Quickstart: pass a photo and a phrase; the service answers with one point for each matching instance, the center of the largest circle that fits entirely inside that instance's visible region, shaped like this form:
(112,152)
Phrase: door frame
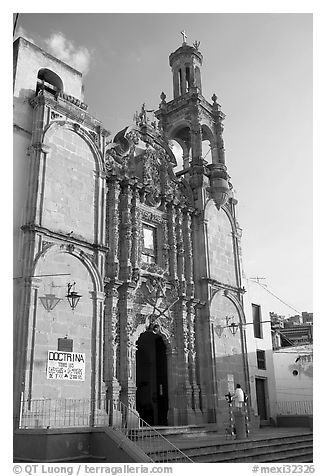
(265,382)
(156,383)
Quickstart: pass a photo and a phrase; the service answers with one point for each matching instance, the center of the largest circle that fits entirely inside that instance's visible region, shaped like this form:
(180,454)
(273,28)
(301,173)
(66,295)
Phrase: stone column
(180,251)
(32,286)
(183,81)
(192,360)
(101,208)
(98,391)
(38,152)
(186,160)
(187,239)
(215,157)
(112,225)
(196,139)
(184,390)
(111,350)
(136,233)
(24,317)
(165,239)
(125,231)
(203,350)
(127,358)
(172,359)
(34,210)
(172,241)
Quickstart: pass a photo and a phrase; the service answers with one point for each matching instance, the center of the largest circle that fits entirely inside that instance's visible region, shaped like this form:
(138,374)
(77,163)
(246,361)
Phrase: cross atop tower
(183,33)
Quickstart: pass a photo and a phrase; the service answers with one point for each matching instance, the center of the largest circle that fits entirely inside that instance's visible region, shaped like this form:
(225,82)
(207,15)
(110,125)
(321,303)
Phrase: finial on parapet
(163,97)
(196,44)
(216,106)
(141,118)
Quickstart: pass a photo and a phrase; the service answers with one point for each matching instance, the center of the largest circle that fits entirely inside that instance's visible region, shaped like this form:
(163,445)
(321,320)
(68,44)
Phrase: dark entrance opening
(261,399)
(151,378)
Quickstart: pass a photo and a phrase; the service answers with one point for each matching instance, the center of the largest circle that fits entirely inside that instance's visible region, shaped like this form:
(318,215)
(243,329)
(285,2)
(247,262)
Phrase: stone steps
(207,445)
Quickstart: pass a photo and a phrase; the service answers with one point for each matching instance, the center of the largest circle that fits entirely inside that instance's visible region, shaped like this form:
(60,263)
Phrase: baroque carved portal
(154,302)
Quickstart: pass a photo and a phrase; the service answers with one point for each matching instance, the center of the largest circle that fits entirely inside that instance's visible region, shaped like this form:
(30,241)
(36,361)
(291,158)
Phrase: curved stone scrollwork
(142,154)
(155,299)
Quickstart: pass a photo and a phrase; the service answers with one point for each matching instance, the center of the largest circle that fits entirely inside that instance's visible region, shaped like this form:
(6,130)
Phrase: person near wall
(238,397)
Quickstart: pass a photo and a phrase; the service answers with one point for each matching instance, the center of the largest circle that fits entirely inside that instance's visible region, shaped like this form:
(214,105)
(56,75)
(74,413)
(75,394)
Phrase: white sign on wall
(231,383)
(65,366)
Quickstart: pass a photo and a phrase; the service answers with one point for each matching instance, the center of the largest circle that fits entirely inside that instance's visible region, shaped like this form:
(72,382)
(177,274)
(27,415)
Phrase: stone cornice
(70,111)
(226,287)
(32,228)
(184,100)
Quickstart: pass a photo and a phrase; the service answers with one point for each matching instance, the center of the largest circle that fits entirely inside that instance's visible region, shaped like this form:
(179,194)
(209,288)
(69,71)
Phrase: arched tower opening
(48,81)
(180,142)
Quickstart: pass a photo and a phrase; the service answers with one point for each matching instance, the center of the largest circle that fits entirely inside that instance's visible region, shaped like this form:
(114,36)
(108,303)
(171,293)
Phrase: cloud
(62,48)
(23,33)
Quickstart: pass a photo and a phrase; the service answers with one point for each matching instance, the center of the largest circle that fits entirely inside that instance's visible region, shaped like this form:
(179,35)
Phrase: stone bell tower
(190,120)
(197,125)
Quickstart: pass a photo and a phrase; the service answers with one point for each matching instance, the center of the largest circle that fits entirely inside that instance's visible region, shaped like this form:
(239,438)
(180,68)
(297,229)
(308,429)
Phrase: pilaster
(31,287)
(125,244)
(187,239)
(192,360)
(127,364)
(180,251)
(99,415)
(113,219)
(172,241)
(111,348)
(136,230)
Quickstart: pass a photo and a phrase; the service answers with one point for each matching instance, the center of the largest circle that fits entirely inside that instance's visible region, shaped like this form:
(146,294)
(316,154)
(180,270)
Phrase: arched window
(198,78)
(48,81)
(187,78)
(180,82)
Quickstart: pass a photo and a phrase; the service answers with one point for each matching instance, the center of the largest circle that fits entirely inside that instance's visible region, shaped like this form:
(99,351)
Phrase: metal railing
(72,413)
(56,413)
(304,407)
(151,441)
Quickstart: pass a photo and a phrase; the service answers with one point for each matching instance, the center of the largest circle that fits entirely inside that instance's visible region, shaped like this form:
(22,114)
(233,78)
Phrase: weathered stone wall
(25,78)
(227,347)
(220,246)
(69,186)
(20,175)
(228,359)
(62,321)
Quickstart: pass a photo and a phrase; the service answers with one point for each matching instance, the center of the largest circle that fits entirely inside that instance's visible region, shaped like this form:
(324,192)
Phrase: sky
(260,67)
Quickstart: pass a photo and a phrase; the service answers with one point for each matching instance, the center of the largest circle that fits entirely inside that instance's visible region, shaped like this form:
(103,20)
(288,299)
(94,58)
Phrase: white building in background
(281,378)
(293,377)
(260,351)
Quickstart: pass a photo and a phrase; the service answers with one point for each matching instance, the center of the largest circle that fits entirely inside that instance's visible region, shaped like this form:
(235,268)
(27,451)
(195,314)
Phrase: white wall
(255,295)
(290,387)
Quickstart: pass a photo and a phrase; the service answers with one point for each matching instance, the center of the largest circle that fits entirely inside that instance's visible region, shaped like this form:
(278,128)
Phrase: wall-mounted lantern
(72,296)
(49,301)
(218,329)
(232,325)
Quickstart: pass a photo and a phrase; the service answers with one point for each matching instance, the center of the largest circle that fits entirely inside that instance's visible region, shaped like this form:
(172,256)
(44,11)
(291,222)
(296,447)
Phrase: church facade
(128,273)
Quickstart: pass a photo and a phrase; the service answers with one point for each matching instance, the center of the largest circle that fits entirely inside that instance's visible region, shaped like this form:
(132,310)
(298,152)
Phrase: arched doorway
(151,379)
